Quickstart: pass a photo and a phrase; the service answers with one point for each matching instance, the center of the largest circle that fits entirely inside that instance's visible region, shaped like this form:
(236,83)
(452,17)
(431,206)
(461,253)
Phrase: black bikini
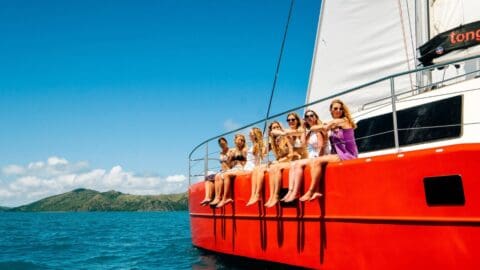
(239,158)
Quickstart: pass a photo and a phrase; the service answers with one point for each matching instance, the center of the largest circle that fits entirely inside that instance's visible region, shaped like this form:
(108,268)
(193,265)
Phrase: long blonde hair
(346,112)
(258,144)
(271,140)
(243,138)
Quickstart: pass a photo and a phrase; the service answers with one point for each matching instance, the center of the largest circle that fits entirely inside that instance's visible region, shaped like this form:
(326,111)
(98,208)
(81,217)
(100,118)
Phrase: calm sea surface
(112,240)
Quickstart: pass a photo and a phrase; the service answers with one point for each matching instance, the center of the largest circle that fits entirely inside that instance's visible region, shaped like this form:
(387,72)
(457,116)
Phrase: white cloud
(5,193)
(13,170)
(176,178)
(57,175)
(54,161)
(230,125)
(36,165)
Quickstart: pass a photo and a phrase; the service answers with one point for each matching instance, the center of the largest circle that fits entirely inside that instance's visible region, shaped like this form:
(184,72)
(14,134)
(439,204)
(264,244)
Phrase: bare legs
(275,178)
(316,171)
(227,196)
(258,174)
(223,191)
(295,180)
(209,186)
(218,188)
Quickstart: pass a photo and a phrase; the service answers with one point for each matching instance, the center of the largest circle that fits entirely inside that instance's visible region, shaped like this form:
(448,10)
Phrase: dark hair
(222,139)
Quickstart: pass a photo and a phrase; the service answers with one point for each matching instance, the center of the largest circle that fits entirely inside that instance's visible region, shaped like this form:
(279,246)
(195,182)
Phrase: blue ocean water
(102,240)
(111,240)
(107,240)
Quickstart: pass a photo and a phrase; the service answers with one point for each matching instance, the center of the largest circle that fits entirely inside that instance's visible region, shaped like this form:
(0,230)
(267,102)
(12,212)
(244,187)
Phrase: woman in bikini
(254,155)
(342,140)
(238,158)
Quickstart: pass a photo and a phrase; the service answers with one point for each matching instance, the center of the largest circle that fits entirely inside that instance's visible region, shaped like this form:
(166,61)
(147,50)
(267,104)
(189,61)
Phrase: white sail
(359,41)
(448,14)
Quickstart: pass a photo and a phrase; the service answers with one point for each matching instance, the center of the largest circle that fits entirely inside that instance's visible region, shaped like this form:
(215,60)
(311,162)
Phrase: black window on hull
(424,123)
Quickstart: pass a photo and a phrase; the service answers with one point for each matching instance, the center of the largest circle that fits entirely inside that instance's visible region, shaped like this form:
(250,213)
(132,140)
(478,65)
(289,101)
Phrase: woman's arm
(340,122)
(277,132)
(295,132)
(317,127)
(320,142)
(303,136)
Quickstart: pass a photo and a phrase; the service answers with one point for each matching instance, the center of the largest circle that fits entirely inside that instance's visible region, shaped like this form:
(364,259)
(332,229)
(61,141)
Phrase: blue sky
(115,94)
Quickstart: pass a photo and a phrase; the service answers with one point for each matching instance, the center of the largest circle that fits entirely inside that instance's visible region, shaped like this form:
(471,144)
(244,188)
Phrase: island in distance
(83,200)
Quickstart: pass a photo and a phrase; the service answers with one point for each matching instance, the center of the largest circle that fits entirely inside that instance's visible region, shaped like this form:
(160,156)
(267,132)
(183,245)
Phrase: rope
(405,41)
(278,63)
(411,32)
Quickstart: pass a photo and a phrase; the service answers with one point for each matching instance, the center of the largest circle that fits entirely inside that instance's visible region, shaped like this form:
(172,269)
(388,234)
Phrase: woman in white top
(258,173)
(256,152)
(317,142)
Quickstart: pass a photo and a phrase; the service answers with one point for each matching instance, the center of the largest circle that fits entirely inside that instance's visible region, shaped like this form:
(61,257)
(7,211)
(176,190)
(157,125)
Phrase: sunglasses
(291,119)
(309,116)
(275,127)
(337,109)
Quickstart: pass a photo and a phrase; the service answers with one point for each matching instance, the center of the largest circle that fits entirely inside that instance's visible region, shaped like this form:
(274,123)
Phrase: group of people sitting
(303,143)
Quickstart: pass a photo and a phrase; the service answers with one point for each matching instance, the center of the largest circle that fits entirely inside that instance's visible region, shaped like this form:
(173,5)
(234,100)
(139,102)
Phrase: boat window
(425,123)
(444,190)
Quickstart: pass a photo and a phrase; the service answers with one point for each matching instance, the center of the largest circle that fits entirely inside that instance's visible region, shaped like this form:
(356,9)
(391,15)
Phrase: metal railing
(394,97)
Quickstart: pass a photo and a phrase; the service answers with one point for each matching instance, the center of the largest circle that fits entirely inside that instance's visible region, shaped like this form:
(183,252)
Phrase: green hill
(3,208)
(91,200)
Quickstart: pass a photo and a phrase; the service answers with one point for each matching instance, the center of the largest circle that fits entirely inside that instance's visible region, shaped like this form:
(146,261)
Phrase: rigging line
(411,33)
(278,64)
(405,41)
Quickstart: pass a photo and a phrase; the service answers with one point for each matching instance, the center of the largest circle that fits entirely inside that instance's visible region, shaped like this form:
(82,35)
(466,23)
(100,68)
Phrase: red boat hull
(374,215)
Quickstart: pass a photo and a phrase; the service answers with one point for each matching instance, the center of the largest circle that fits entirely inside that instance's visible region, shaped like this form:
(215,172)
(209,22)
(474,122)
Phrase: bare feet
(272,203)
(215,201)
(205,201)
(253,200)
(224,202)
(289,193)
(268,202)
(310,196)
(307,196)
(292,197)
(316,195)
